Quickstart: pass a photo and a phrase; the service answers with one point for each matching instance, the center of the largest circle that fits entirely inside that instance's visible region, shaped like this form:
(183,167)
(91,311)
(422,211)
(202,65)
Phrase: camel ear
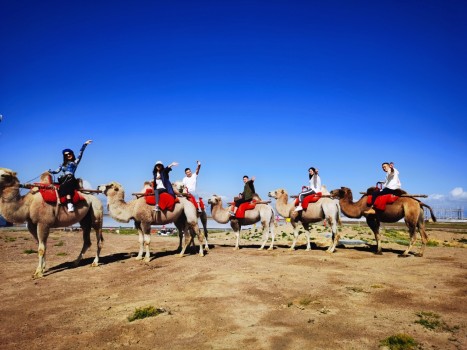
(282,191)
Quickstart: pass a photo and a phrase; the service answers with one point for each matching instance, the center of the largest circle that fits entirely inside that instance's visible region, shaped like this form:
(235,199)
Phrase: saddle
(166,201)
(240,214)
(192,199)
(311,198)
(49,195)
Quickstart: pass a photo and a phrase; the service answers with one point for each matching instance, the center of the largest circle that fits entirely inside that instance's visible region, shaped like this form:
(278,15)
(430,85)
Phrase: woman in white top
(390,185)
(315,187)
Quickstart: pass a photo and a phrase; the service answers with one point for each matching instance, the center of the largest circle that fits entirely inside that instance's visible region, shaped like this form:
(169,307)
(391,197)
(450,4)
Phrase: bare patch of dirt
(230,299)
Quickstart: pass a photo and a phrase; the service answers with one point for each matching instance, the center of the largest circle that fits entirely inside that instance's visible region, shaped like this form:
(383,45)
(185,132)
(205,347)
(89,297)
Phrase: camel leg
(423,235)
(373,223)
(187,239)
(43,234)
(307,235)
(273,235)
(200,239)
(332,221)
(204,222)
(32,228)
(146,229)
(295,235)
(86,227)
(140,240)
(99,244)
(265,234)
(236,228)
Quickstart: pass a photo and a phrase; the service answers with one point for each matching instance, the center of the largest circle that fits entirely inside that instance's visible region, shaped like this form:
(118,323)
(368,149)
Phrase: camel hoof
(146,260)
(260,248)
(379,253)
(291,249)
(139,258)
(329,251)
(271,248)
(94,264)
(37,275)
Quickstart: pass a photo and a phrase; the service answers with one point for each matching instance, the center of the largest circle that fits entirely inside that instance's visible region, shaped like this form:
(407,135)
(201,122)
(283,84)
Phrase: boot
(369,211)
(70,207)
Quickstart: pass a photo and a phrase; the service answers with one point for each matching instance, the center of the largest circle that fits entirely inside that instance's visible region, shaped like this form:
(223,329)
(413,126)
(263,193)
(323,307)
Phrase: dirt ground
(246,299)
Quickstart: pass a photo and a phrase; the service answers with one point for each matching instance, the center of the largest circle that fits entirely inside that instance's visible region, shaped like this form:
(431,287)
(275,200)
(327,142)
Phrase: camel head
(111,188)
(342,192)
(215,199)
(277,193)
(179,187)
(7,178)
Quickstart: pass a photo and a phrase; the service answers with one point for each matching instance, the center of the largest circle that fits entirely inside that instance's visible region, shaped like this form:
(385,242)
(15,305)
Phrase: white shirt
(190,183)
(315,183)
(392,180)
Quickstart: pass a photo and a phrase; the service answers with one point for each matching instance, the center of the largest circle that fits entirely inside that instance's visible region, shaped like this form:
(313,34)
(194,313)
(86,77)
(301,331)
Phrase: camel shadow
(103,260)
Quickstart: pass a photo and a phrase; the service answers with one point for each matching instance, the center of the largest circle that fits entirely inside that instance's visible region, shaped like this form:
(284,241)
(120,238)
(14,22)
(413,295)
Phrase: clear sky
(258,88)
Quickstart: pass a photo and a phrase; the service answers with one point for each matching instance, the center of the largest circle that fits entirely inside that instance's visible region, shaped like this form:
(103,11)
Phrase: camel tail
(431,211)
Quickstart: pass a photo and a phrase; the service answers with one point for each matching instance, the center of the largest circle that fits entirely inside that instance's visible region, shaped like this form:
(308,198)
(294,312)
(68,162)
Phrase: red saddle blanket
(166,201)
(240,214)
(192,199)
(312,198)
(381,201)
(50,195)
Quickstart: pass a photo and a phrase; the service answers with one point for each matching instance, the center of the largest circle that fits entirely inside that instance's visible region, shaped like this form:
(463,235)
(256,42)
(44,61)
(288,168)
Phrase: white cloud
(458,194)
(437,197)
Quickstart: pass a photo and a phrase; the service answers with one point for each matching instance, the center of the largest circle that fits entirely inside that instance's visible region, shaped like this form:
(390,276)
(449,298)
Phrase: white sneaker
(156,208)
(71,208)
(298,208)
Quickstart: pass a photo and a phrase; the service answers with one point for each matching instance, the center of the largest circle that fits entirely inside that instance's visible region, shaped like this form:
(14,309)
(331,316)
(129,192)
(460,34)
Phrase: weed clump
(399,342)
(145,312)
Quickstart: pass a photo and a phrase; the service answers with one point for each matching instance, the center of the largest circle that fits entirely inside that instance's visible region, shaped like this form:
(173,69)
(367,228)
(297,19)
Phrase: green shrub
(399,342)
(145,312)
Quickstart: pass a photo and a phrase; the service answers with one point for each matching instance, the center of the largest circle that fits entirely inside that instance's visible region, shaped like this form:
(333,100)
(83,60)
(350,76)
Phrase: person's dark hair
(65,159)
(314,172)
(389,165)
(154,171)
(245,176)
(187,169)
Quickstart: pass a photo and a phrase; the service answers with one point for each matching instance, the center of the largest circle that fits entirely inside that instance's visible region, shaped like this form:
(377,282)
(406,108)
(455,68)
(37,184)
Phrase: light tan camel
(407,208)
(181,190)
(184,216)
(324,209)
(261,212)
(41,216)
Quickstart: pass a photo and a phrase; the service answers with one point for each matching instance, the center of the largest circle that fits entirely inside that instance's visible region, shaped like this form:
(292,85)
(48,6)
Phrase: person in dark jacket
(68,182)
(162,181)
(246,195)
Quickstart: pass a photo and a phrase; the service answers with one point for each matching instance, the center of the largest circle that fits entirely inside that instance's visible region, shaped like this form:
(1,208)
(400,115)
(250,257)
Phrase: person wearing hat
(68,182)
(161,181)
(315,187)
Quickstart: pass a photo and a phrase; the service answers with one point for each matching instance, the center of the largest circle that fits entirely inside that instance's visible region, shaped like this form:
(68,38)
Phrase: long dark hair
(154,171)
(314,172)
(65,159)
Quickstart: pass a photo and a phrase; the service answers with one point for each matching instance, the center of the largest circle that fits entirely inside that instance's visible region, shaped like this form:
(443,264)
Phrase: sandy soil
(246,299)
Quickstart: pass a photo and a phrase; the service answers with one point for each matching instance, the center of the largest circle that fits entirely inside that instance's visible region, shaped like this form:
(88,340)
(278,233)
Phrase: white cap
(159,162)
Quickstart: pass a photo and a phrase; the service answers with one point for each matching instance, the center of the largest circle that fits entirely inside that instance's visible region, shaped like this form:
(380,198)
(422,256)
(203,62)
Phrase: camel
(407,208)
(181,190)
(324,209)
(184,216)
(41,216)
(261,212)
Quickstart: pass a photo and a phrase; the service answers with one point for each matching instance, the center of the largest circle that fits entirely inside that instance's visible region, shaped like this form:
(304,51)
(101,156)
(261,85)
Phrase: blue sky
(262,88)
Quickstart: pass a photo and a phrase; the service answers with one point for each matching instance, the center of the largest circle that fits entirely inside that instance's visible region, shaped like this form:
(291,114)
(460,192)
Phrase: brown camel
(41,216)
(184,216)
(261,212)
(323,209)
(181,190)
(407,208)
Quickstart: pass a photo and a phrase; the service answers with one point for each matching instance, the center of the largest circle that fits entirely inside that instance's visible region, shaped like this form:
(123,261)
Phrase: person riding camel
(68,182)
(391,185)
(245,196)
(161,181)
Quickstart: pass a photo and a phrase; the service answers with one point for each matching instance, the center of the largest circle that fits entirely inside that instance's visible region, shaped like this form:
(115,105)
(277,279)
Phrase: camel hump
(256,197)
